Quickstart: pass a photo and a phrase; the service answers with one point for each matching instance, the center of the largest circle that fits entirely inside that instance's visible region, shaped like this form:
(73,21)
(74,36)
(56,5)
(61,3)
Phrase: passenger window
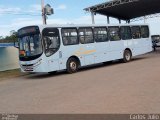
(136,32)
(113,33)
(85,35)
(100,34)
(126,33)
(51,40)
(144,31)
(69,36)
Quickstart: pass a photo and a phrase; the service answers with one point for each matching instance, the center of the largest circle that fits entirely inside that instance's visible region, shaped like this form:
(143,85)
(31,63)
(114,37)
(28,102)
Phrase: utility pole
(46,10)
(43,13)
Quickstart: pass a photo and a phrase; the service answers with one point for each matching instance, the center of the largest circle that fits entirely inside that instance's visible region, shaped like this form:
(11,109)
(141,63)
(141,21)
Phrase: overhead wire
(19,13)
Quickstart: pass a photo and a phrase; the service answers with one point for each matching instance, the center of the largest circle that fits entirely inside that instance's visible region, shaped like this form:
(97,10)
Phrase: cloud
(86,19)
(34,8)
(61,7)
(4,10)
(21,22)
(37,7)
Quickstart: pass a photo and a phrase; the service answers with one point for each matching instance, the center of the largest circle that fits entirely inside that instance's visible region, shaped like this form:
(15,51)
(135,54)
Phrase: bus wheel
(72,65)
(127,56)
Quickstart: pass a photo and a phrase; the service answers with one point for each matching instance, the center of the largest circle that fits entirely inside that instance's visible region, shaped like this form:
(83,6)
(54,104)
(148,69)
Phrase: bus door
(87,46)
(51,41)
(116,44)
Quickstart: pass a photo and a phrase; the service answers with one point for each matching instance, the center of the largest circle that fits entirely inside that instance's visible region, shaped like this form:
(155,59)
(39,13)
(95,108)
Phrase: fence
(8,57)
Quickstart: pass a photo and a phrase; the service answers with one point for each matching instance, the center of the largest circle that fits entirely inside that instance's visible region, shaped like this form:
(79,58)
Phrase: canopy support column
(108,20)
(92,16)
(119,21)
(144,19)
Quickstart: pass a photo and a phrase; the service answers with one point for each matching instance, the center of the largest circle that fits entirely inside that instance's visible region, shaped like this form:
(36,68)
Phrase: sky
(15,14)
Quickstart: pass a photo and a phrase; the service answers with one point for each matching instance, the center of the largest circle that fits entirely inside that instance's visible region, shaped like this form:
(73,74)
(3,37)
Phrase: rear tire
(127,56)
(72,65)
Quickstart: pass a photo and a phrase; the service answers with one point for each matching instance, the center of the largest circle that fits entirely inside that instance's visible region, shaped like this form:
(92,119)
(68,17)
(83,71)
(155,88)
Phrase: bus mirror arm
(16,43)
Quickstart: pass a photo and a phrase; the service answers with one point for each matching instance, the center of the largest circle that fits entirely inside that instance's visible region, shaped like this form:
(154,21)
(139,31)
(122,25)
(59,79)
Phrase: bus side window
(136,32)
(126,33)
(82,37)
(144,31)
(113,33)
(69,36)
(85,35)
(100,34)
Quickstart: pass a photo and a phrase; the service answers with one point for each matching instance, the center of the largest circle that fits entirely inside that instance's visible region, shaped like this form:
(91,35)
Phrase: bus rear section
(141,39)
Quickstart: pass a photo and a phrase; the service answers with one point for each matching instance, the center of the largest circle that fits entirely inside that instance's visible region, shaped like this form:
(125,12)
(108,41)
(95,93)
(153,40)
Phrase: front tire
(72,65)
(127,56)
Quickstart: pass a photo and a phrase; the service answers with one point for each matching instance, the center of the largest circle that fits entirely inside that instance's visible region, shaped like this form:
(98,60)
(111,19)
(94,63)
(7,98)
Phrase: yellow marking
(89,51)
(82,51)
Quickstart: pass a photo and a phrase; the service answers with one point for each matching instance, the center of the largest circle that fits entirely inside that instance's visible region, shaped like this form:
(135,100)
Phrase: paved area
(114,88)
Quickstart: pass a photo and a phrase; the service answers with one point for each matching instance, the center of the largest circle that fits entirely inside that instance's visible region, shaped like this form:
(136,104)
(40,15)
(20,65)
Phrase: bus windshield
(30,44)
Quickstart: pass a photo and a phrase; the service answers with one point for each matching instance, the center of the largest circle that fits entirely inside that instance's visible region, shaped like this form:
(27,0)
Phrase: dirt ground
(113,88)
(10,74)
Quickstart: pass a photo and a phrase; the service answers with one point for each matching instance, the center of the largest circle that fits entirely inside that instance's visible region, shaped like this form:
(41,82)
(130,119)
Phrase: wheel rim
(73,66)
(128,56)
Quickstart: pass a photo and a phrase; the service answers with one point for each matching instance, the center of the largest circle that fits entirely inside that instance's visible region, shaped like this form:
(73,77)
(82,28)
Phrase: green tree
(9,39)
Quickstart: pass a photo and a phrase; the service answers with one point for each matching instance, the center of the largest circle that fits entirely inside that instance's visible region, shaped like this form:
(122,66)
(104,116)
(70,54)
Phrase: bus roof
(83,25)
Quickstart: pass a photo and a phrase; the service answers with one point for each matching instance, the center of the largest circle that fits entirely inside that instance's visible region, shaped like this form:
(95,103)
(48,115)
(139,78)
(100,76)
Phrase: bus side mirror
(16,42)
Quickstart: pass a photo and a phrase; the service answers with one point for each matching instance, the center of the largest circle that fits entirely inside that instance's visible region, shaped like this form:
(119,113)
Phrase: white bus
(52,48)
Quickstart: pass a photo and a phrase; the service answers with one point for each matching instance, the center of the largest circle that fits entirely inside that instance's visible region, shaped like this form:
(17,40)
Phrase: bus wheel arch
(73,63)
(127,55)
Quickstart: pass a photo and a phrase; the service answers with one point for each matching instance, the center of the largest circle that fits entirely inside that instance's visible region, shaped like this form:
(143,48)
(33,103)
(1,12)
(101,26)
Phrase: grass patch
(10,74)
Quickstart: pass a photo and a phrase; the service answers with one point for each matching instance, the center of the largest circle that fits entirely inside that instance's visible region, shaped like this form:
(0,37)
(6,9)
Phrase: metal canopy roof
(126,9)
